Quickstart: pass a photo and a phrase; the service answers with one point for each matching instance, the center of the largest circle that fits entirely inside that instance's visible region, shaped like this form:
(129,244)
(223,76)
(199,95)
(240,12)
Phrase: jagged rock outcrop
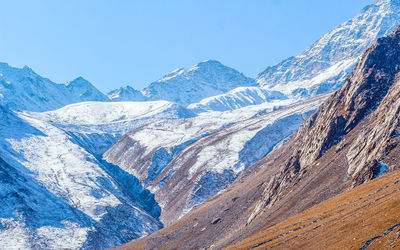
(369,95)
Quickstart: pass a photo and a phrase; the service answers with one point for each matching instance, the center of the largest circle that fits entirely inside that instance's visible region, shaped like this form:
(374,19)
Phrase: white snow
(47,155)
(97,113)
(207,78)
(237,98)
(324,65)
(175,132)
(218,145)
(23,89)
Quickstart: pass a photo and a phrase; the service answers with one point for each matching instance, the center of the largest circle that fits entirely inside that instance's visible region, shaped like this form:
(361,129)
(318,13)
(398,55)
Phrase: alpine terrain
(56,190)
(322,67)
(185,86)
(23,89)
(305,155)
(352,138)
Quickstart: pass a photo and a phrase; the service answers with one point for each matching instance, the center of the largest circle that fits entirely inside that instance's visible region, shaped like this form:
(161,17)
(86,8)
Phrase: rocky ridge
(327,63)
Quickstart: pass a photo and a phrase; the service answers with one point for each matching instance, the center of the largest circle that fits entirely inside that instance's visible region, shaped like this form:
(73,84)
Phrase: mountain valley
(305,155)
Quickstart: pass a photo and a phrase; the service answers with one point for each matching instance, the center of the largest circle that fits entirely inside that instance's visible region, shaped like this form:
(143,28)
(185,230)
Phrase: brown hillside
(368,215)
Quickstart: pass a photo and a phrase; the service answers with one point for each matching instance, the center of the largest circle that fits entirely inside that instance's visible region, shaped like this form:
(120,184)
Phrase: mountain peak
(325,65)
(127,87)
(26,67)
(85,90)
(126,93)
(208,64)
(78,81)
(391,2)
(205,79)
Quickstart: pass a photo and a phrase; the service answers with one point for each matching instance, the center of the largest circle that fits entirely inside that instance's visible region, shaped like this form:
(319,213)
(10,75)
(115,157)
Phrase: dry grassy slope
(368,215)
(341,146)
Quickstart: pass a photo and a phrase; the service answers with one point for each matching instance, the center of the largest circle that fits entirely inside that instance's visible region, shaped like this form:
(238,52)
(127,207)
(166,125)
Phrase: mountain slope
(23,89)
(98,125)
(236,98)
(56,190)
(209,150)
(326,64)
(352,138)
(319,69)
(366,217)
(55,194)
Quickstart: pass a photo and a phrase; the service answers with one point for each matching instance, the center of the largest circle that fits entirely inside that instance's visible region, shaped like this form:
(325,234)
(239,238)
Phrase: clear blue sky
(119,42)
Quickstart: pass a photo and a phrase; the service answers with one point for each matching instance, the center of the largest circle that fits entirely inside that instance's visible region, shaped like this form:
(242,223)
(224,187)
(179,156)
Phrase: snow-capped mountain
(23,89)
(319,69)
(84,91)
(55,189)
(126,93)
(326,64)
(98,125)
(55,194)
(205,79)
(186,86)
(191,135)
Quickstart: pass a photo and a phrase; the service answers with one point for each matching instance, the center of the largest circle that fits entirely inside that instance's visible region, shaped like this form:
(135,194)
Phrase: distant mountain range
(209,85)
(23,89)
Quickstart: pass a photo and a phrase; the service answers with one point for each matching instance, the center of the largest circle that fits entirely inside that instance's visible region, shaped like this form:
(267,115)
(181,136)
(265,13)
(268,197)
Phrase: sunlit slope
(367,216)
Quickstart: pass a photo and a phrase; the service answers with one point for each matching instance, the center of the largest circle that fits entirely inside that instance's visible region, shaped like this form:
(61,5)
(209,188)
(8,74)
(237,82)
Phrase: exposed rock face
(371,209)
(372,89)
(352,138)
